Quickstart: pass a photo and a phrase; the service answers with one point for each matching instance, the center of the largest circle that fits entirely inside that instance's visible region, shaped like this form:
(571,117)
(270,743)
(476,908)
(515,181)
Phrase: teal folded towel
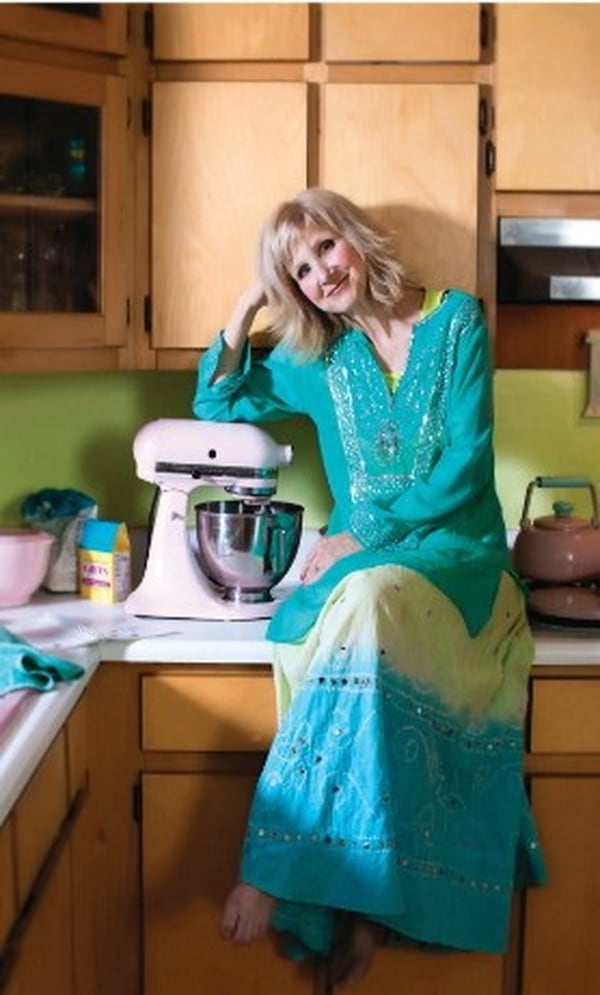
(23,666)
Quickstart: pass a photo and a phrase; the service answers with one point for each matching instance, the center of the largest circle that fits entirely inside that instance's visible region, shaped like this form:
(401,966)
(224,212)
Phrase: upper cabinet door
(410,153)
(231,31)
(91,27)
(548,106)
(401,32)
(224,154)
(64,259)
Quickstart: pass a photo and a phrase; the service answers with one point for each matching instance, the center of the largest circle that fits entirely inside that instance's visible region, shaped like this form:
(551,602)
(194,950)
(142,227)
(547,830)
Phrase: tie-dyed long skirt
(394,786)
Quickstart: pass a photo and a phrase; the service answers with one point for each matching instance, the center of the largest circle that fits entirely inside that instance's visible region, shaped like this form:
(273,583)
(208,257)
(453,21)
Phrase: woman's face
(328,270)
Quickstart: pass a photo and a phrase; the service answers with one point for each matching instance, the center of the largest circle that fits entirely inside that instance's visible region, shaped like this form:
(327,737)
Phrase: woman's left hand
(325,552)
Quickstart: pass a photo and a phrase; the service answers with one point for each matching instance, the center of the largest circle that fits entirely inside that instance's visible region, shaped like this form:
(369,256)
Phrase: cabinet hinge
(146,117)
(484,117)
(484,27)
(149,28)
(147,313)
(136,802)
(490,158)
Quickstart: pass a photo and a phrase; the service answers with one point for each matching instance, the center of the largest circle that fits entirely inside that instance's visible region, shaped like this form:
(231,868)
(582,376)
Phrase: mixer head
(184,453)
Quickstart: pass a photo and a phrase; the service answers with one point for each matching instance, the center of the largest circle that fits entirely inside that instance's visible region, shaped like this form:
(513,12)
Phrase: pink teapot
(559,548)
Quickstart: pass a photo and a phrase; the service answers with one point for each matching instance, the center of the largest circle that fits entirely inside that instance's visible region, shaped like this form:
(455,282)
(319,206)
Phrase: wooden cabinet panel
(427,973)
(44,958)
(8,898)
(401,32)
(104,325)
(560,949)
(39,814)
(224,154)
(409,152)
(31,22)
(208,713)
(235,31)
(192,833)
(548,112)
(564,716)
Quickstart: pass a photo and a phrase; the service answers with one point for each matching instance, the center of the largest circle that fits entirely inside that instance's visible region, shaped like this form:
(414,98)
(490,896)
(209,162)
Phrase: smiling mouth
(341,283)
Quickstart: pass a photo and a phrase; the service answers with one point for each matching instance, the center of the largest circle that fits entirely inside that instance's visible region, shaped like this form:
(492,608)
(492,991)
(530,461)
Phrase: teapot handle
(559,482)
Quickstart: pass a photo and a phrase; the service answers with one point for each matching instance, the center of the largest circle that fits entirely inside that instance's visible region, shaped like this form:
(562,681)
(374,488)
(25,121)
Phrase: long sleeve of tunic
(411,472)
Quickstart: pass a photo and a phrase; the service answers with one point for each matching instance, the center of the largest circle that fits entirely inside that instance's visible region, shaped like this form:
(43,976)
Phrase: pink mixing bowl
(24,558)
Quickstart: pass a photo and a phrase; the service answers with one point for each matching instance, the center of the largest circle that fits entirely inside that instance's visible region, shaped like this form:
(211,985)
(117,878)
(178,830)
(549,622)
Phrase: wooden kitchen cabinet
(412,153)
(44,962)
(39,927)
(547,108)
(166,758)
(402,32)
(193,825)
(83,26)
(210,199)
(233,31)
(224,154)
(232,137)
(560,948)
(39,816)
(202,712)
(428,973)
(66,252)
(186,875)
(8,891)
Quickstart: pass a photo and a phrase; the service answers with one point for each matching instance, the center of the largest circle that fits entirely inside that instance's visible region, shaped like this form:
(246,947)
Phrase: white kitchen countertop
(40,717)
(88,633)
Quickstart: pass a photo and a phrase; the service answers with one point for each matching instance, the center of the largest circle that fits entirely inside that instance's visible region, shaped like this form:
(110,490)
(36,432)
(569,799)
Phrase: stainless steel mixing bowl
(245,549)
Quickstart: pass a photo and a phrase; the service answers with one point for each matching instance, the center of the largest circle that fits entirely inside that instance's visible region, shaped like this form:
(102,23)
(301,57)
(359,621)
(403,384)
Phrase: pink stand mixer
(245,545)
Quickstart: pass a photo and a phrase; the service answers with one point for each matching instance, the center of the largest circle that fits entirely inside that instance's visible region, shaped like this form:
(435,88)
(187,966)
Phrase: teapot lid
(562,520)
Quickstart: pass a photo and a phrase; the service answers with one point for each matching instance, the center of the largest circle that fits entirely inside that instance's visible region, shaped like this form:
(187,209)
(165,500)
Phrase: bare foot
(354,950)
(247,914)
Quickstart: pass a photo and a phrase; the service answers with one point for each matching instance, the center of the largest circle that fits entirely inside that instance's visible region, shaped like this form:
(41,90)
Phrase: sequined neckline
(390,439)
(432,301)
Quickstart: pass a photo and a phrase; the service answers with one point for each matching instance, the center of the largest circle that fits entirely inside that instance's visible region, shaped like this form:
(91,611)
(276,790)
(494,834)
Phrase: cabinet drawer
(39,815)
(8,900)
(211,712)
(565,716)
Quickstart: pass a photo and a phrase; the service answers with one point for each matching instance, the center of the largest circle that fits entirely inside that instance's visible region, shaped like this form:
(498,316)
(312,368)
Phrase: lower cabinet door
(419,972)
(192,829)
(561,951)
(44,957)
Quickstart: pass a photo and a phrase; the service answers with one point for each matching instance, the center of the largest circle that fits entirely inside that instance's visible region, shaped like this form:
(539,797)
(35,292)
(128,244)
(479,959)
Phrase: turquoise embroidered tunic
(411,472)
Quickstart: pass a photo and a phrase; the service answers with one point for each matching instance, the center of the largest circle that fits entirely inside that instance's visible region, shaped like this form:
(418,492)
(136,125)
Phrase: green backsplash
(76,430)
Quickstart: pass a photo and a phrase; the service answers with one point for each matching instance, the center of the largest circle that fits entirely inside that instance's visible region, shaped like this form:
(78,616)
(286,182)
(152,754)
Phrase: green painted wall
(66,430)
(541,430)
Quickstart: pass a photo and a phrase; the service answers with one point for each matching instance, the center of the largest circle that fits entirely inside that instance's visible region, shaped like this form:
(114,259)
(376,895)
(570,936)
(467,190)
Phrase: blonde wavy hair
(303,327)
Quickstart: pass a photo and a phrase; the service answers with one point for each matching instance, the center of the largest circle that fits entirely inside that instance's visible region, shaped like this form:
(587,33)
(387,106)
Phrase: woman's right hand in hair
(236,331)
(247,307)
(253,297)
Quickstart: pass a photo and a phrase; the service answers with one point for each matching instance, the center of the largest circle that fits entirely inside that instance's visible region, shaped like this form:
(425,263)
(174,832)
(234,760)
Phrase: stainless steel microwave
(548,260)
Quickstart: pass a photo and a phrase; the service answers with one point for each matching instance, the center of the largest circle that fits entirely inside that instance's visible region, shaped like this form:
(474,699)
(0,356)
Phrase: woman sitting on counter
(391,807)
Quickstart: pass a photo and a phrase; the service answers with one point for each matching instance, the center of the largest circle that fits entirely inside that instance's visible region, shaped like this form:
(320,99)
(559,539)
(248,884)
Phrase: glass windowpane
(49,210)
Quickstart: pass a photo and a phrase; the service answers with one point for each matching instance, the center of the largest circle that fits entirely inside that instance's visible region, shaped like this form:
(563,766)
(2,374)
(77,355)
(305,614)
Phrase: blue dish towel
(23,666)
